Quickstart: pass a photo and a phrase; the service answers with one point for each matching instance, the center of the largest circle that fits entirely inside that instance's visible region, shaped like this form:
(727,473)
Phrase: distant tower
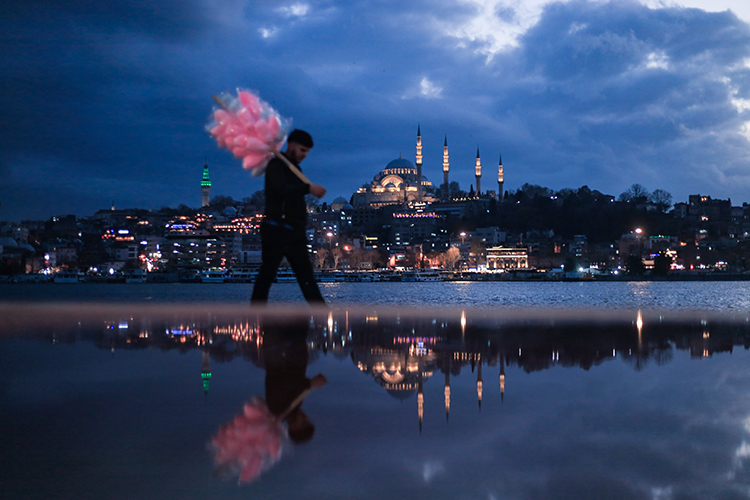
(446,167)
(206,187)
(500,180)
(419,164)
(479,174)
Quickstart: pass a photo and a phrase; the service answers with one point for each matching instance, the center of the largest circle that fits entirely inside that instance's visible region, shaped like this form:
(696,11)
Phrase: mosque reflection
(403,353)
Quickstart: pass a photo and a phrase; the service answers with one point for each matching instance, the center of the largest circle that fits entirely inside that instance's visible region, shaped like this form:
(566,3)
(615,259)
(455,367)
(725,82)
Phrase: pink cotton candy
(252,161)
(249,127)
(250,444)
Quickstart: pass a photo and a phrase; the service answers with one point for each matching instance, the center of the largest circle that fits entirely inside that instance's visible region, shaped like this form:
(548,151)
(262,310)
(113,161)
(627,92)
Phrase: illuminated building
(507,258)
(400,182)
(206,187)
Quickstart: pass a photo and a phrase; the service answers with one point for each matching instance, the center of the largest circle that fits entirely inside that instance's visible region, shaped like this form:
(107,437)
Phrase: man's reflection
(286,356)
(251,442)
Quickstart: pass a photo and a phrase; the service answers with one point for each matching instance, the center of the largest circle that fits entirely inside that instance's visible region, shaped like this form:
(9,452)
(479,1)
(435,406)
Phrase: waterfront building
(507,258)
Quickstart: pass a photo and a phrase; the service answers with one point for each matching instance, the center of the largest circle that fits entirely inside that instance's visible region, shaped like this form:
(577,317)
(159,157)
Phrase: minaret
(479,174)
(500,181)
(446,167)
(419,164)
(206,187)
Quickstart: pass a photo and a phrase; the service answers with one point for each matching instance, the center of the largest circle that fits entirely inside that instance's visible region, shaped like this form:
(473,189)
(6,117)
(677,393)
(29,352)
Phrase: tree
(478,249)
(637,193)
(634,265)
(337,253)
(223,201)
(312,203)
(258,199)
(455,190)
(662,199)
(452,255)
(662,264)
(357,257)
(320,257)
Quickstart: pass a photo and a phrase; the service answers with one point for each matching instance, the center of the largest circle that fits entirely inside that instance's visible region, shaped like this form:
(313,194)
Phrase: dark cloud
(604,94)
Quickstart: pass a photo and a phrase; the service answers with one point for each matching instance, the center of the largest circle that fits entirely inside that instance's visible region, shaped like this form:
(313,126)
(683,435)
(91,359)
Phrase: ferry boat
(331,276)
(69,276)
(135,276)
(213,275)
(242,275)
(285,276)
(424,275)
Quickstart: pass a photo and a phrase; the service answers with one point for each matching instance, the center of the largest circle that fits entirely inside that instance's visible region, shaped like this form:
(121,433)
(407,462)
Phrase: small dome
(230,211)
(347,207)
(8,242)
(339,203)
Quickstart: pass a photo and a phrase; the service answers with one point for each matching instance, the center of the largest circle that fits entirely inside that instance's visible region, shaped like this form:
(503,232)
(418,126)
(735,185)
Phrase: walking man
(283,228)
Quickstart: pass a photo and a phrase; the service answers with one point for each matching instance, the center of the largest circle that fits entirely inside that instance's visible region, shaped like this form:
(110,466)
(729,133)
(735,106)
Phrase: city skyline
(107,103)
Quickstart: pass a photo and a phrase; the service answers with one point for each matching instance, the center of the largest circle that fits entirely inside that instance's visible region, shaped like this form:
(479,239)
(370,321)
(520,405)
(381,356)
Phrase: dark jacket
(285,195)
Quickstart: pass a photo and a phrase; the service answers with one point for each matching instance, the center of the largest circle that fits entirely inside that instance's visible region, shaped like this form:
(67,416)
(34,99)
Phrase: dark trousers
(279,241)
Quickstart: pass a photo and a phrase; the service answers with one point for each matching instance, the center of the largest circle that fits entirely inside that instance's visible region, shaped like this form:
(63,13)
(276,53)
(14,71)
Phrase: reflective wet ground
(205,401)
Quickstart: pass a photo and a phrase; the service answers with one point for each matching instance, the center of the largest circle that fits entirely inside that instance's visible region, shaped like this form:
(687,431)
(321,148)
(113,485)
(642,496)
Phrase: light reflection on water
(124,402)
(709,295)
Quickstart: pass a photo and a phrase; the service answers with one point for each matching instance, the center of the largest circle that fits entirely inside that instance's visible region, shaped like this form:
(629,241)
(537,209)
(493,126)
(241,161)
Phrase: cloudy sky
(106,102)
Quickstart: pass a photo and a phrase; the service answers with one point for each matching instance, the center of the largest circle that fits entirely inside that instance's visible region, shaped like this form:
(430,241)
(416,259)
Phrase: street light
(638,232)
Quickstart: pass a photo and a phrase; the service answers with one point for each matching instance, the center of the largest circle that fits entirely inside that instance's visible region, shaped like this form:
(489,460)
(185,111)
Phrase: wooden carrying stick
(275,152)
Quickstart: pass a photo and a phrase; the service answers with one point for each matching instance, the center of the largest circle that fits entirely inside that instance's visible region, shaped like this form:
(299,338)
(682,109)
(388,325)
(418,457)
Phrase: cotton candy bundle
(250,444)
(248,127)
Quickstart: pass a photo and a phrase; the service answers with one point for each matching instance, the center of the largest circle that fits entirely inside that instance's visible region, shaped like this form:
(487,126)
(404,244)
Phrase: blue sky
(107,101)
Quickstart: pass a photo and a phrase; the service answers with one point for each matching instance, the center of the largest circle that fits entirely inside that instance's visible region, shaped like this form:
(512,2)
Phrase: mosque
(401,182)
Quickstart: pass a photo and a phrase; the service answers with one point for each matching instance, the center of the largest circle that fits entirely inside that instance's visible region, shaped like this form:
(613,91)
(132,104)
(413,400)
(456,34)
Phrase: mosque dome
(230,211)
(400,163)
(339,203)
(8,242)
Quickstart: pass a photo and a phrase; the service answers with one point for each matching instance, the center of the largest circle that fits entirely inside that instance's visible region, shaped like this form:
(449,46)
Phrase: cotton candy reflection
(248,127)
(250,444)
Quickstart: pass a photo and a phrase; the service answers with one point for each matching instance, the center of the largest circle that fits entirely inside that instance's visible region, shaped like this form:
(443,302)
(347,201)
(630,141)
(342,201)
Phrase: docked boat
(242,275)
(135,276)
(69,276)
(213,275)
(285,276)
(423,275)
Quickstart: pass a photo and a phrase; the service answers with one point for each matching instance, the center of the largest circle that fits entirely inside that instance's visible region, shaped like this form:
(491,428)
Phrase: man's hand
(317,190)
(318,381)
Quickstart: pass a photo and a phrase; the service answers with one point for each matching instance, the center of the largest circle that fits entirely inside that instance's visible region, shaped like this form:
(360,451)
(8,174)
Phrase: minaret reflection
(502,376)
(206,371)
(479,381)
